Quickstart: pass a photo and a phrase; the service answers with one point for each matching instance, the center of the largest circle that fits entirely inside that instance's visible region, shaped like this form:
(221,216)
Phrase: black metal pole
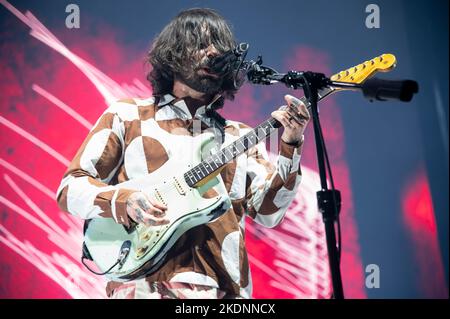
(328,200)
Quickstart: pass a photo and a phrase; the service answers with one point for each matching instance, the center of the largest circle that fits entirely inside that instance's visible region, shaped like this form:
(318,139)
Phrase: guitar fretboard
(238,147)
(230,152)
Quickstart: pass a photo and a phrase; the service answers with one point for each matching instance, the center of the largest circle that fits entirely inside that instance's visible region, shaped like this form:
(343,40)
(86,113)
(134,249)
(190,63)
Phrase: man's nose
(211,51)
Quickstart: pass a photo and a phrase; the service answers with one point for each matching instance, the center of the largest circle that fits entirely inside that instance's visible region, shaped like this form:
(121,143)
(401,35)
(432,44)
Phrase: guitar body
(187,207)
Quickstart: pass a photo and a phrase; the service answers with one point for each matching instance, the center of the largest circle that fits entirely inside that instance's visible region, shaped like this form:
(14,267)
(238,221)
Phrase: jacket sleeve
(272,188)
(84,190)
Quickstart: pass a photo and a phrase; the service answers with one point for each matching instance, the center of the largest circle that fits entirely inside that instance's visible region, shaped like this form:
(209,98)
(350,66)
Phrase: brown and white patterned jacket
(126,143)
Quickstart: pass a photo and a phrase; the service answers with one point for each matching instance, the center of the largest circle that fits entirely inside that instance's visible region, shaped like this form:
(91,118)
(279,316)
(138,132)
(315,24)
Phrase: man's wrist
(295,143)
(288,149)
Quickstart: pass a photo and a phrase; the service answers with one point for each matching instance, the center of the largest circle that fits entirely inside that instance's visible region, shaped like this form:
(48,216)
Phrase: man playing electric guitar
(136,137)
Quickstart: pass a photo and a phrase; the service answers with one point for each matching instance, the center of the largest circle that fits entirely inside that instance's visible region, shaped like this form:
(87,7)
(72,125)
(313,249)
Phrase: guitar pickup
(178,186)
(159,197)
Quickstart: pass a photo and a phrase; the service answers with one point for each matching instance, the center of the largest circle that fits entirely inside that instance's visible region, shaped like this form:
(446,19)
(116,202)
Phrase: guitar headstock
(363,71)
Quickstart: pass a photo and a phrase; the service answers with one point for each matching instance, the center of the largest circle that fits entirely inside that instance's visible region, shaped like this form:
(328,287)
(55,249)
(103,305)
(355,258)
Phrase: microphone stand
(329,200)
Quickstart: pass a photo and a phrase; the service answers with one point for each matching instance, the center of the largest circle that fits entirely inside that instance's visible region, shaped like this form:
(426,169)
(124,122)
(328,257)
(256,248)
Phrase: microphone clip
(259,74)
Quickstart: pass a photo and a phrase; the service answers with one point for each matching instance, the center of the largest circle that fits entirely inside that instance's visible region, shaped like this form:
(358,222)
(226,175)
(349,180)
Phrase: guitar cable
(98,273)
(124,251)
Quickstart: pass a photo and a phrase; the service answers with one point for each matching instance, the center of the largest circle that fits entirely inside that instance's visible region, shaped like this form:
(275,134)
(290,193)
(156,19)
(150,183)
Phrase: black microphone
(230,60)
(383,90)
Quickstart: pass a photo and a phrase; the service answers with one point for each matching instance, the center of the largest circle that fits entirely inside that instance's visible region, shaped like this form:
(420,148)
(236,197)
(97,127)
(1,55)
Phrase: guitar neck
(214,162)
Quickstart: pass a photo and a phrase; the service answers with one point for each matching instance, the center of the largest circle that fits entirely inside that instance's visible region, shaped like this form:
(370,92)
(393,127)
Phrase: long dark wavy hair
(190,31)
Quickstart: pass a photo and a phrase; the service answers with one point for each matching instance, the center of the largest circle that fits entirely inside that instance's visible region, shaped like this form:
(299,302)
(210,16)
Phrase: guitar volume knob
(141,251)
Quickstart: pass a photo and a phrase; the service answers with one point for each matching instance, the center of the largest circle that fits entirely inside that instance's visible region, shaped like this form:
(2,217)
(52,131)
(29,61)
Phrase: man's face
(198,75)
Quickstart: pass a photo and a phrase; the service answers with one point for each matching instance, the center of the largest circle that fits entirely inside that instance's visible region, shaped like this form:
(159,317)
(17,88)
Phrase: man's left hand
(294,117)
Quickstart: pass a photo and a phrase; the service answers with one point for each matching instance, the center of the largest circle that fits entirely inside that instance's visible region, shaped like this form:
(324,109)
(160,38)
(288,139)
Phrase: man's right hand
(144,210)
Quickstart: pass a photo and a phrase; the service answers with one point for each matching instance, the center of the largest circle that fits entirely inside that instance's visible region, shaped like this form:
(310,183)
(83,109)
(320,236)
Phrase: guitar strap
(216,123)
(209,118)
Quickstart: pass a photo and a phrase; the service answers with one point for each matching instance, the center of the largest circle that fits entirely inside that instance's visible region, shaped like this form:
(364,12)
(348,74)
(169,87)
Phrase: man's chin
(203,83)
(206,85)
(205,73)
